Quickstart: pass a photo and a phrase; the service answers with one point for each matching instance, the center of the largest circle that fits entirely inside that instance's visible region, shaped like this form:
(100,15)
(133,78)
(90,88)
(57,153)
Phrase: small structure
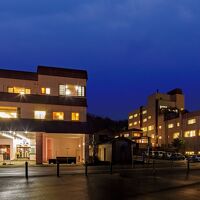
(118,150)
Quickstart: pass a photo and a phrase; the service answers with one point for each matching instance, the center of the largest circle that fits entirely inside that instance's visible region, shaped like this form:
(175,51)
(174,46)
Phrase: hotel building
(164,118)
(43,114)
(151,118)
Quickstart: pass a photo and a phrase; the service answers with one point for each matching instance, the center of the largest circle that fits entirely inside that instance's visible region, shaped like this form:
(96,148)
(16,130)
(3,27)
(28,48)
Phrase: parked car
(194,158)
(177,156)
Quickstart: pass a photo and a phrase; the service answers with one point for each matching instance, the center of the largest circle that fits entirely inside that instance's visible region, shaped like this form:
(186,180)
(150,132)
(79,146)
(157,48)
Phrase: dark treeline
(98,123)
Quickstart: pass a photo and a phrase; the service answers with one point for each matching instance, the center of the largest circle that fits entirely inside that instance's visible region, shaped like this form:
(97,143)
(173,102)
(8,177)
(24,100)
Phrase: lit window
(145,119)
(131,117)
(39,114)
(178,124)
(191,121)
(75,116)
(149,117)
(153,136)
(130,124)
(135,123)
(135,115)
(8,112)
(45,90)
(176,135)
(144,112)
(150,128)
(170,125)
(136,134)
(19,90)
(189,152)
(138,122)
(160,137)
(71,90)
(191,133)
(58,115)
(126,135)
(160,127)
(144,128)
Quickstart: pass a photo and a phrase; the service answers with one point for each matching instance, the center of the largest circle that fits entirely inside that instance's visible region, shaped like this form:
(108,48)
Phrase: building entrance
(23,152)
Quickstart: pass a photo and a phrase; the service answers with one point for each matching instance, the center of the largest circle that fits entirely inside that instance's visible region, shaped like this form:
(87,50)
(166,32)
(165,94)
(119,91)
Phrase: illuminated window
(178,124)
(150,128)
(160,137)
(45,90)
(191,133)
(126,135)
(72,90)
(136,134)
(149,117)
(191,121)
(39,114)
(131,117)
(135,123)
(58,115)
(8,112)
(160,127)
(144,128)
(176,135)
(145,120)
(75,116)
(19,90)
(130,124)
(189,152)
(144,112)
(135,115)
(153,136)
(138,122)
(170,125)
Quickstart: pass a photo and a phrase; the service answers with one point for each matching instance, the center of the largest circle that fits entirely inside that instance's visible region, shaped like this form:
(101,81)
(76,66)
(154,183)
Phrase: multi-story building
(151,118)
(186,127)
(43,114)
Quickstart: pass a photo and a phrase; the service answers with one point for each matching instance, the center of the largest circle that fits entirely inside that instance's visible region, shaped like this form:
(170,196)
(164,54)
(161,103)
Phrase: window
(126,135)
(131,117)
(130,124)
(19,90)
(144,112)
(153,136)
(39,114)
(8,112)
(144,128)
(45,90)
(72,90)
(191,121)
(178,124)
(160,127)
(170,125)
(149,117)
(135,115)
(135,123)
(136,135)
(145,120)
(75,116)
(160,137)
(191,133)
(189,152)
(176,135)
(150,128)
(58,115)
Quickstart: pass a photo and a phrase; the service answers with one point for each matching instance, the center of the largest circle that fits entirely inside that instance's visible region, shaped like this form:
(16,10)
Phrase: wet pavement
(126,184)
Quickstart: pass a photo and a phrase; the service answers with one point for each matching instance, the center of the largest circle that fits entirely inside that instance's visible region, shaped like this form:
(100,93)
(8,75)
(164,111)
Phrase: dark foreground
(165,185)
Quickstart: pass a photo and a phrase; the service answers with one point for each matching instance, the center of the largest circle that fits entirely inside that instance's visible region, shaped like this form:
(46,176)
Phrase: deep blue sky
(129,47)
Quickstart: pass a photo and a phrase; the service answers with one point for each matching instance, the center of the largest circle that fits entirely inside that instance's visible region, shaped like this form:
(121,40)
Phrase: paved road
(123,185)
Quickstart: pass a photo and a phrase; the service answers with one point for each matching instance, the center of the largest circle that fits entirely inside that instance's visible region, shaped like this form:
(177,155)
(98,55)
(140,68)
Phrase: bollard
(86,168)
(188,166)
(58,169)
(110,167)
(26,170)
(154,170)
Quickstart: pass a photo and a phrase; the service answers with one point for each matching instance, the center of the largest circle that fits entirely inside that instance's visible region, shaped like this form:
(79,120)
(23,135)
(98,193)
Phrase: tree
(178,144)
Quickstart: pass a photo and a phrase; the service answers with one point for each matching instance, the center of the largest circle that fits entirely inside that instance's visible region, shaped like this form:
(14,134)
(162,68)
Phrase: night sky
(129,47)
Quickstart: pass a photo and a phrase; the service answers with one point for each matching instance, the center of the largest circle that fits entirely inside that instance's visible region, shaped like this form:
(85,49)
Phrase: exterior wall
(27,110)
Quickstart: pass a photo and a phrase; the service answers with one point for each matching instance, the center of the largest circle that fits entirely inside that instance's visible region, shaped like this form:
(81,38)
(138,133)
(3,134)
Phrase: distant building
(43,114)
(151,118)
(164,118)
